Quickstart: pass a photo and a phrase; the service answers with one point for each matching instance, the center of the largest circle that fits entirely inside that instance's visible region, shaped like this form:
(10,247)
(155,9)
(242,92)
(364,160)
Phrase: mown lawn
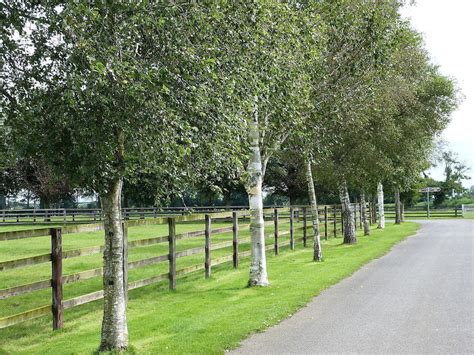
(201,316)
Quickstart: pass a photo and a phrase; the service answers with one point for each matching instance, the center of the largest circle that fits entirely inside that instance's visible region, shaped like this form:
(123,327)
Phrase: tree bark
(258,264)
(317,252)
(365,220)
(398,207)
(347,214)
(114,324)
(381,211)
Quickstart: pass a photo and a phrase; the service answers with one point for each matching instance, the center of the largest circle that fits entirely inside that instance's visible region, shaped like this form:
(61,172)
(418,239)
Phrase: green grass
(204,316)
(35,246)
(468,215)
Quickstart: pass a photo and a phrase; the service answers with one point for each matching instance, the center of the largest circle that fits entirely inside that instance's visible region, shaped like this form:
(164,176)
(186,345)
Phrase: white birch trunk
(398,207)
(114,324)
(365,220)
(381,211)
(347,214)
(317,253)
(258,264)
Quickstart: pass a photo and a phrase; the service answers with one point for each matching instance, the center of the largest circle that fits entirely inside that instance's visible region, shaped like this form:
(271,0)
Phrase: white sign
(430,189)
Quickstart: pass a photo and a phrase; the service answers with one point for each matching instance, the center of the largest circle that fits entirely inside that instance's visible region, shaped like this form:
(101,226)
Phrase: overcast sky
(448,30)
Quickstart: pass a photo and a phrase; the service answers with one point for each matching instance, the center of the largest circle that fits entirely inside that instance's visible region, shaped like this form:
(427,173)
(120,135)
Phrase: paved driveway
(416,299)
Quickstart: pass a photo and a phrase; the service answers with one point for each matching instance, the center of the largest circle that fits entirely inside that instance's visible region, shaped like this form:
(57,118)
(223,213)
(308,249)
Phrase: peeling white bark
(398,207)
(365,220)
(347,214)
(381,211)
(317,252)
(258,264)
(114,324)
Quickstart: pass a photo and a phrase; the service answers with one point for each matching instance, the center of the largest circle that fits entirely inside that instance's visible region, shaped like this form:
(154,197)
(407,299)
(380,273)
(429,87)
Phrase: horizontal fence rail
(330,217)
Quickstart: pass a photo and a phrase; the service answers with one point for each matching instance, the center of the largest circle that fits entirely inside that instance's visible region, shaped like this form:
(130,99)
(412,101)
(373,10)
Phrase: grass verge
(208,316)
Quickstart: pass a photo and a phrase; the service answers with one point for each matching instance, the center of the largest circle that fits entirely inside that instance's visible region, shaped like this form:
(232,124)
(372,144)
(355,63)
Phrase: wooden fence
(74,216)
(330,218)
(423,212)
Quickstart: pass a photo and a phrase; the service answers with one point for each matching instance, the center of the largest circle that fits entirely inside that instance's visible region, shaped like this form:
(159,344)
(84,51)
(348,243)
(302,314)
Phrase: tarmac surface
(416,299)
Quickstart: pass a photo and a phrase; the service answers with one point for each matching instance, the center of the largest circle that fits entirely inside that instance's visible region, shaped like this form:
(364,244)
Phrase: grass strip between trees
(209,316)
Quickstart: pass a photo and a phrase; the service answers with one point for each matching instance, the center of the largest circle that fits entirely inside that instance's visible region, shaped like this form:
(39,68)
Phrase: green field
(469,215)
(181,321)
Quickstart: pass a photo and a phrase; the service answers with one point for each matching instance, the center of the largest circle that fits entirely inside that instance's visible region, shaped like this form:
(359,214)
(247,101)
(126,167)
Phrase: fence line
(57,255)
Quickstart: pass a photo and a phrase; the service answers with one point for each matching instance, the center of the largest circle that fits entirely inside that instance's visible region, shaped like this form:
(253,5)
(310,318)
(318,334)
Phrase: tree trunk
(398,207)
(317,254)
(258,264)
(381,212)
(347,214)
(114,324)
(365,220)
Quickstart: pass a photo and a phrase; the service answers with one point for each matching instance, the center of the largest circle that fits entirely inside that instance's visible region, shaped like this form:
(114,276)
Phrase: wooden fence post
(305,226)
(326,222)
(125,260)
(370,214)
(355,215)
(57,277)
(292,230)
(334,222)
(235,241)
(342,221)
(374,212)
(172,252)
(455,211)
(207,247)
(360,214)
(276,231)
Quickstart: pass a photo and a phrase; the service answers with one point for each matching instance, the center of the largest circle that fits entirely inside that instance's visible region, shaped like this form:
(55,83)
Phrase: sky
(448,30)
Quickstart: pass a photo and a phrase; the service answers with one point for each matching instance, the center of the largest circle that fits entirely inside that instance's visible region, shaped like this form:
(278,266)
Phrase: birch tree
(108,92)
(263,64)
(360,37)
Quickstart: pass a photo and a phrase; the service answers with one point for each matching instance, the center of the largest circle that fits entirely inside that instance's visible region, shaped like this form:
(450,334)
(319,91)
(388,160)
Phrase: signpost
(428,190)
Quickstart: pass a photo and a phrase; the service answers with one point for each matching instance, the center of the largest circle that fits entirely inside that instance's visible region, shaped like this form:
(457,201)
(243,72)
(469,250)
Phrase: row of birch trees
(182,93)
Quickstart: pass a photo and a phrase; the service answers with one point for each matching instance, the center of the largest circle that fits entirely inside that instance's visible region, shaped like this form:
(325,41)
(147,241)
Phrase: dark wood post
(57,277)
(342,221)
(355,216)
(125,260)
(235,241)
(325,222)
(292,229)
(361,207)
(276,231)
(172,252)
(374,212)
(455,211)
(305,226)
(370,214)
(334,221)
(207,247)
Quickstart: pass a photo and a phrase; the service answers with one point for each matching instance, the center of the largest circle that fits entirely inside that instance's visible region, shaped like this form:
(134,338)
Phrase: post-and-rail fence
(87,216)
(92,215)
(330,222)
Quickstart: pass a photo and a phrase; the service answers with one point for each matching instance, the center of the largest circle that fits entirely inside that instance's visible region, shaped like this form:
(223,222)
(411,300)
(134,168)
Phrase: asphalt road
(416,299)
